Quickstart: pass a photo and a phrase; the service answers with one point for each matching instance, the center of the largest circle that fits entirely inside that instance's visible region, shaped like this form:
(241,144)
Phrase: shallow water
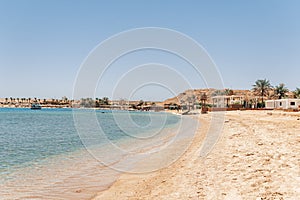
(44,157)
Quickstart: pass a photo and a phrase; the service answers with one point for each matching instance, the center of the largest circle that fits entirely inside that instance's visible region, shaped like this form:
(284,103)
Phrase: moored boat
(36,106)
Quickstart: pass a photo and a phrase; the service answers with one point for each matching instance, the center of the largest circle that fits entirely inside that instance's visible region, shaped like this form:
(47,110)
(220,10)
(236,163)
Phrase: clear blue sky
(43,43)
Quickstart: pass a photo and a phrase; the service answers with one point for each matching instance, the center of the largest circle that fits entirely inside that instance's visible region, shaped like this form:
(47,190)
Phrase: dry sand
(256,157)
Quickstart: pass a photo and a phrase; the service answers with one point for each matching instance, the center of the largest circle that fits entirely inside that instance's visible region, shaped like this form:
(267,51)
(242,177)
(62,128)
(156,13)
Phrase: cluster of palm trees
(27,101)
(12,100)
(91,103)
(226,92)
(263,88)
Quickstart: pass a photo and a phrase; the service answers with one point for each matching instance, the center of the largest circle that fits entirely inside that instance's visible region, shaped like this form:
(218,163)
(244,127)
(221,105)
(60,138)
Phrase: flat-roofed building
(283,104)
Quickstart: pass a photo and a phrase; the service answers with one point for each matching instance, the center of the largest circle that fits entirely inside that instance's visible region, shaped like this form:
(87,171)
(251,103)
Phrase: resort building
(227,101)
(283,104)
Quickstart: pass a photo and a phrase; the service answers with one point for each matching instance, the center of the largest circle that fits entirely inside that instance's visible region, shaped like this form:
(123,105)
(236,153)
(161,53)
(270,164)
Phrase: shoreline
(78,175)
(255,158)
(153,178)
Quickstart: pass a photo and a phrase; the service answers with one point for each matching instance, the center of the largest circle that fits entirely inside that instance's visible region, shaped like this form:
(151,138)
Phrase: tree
(105,100)
(97,104)
(87,103)
(218,93)
(262,87)
(297,93)
(281,90)
(228,92)
(141,102)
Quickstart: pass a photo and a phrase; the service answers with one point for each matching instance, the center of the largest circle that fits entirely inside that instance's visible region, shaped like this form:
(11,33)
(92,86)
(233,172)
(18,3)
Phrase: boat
(36,106)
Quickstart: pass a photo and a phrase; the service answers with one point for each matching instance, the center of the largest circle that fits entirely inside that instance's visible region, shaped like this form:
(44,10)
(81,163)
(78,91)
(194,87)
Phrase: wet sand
(79,175)
(256,157)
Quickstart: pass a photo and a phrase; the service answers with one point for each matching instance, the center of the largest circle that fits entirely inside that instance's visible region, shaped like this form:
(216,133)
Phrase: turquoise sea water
(28,136)
(43,156)
(31,135)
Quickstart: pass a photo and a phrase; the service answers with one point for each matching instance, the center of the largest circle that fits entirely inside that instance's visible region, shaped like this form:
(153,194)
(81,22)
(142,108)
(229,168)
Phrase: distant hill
(196,93)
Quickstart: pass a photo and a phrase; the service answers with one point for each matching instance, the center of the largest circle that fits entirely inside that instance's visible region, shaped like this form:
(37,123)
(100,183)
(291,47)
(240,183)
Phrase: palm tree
(105,100)
(218,93)
(141,103)
(262,87)
(281,90)
(228,92)
(297,93)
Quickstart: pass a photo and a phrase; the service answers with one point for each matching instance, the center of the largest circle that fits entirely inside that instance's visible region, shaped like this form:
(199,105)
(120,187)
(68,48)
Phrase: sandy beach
(256,157)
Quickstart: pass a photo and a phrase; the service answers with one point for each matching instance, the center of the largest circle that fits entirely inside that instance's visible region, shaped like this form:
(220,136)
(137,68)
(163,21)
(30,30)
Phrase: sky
(44,43)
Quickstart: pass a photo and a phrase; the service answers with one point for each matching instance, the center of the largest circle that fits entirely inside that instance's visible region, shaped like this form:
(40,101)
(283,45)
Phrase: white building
(226,101)
(283,104)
